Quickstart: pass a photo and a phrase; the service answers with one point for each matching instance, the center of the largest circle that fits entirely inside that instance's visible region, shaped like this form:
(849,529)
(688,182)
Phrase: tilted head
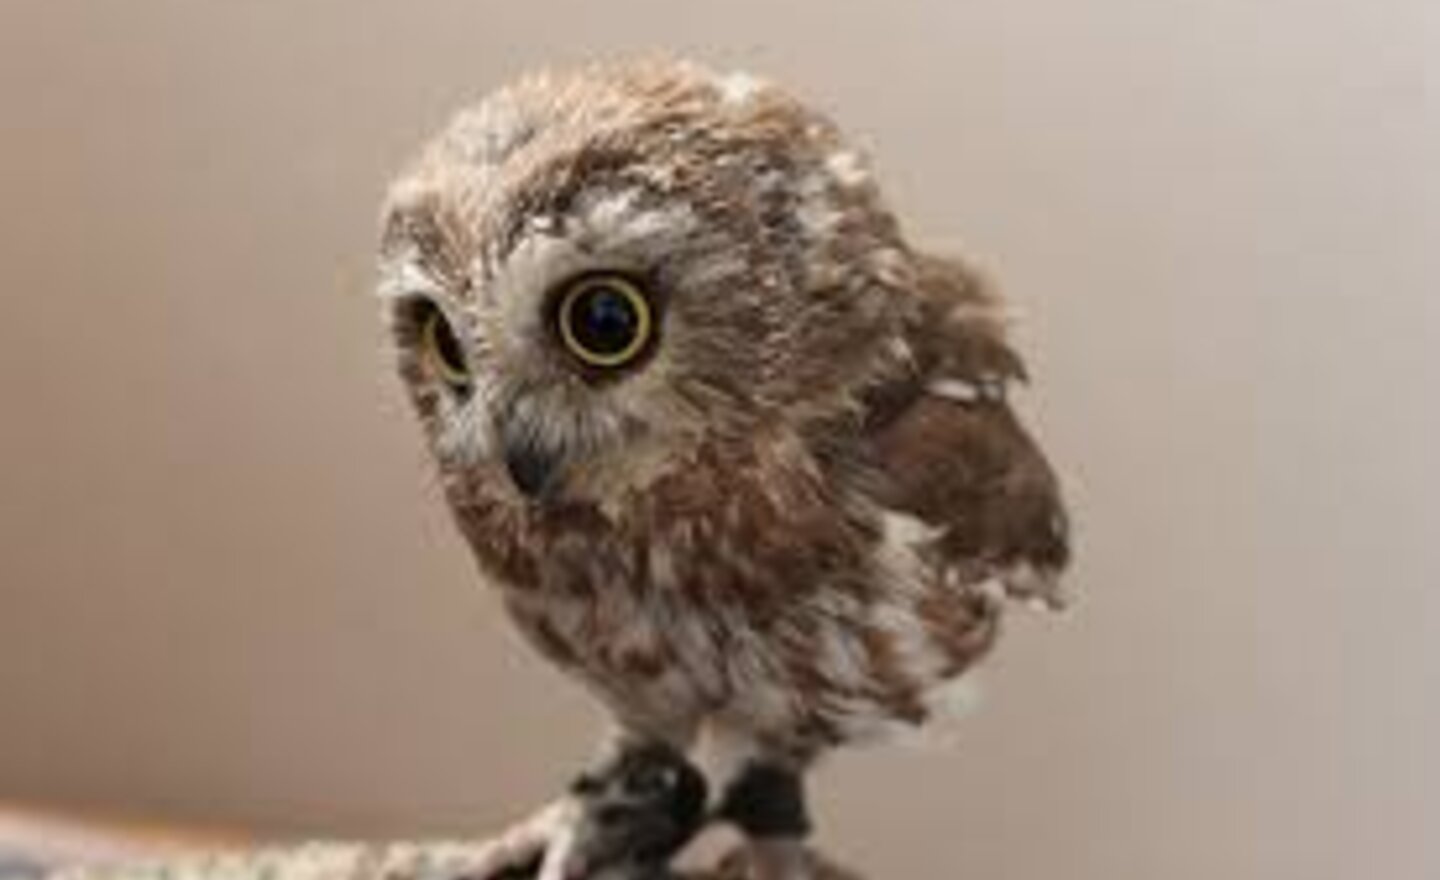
(592,275)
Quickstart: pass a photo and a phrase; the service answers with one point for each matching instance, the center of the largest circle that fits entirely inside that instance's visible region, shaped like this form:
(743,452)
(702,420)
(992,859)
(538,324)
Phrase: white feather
(957,390)
(739,87)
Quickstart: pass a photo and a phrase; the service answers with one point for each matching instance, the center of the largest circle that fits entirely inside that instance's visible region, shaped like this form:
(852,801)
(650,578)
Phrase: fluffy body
(801,517)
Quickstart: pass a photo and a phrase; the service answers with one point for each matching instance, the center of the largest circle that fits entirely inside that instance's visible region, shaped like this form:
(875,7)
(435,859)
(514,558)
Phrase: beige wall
(227,590)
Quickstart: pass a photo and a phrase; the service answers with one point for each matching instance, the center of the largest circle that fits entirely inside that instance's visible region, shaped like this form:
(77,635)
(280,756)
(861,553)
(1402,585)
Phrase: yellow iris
(442,350)
(604,320)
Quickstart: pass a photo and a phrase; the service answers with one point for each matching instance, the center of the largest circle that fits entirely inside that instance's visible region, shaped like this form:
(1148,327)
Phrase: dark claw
(639,811)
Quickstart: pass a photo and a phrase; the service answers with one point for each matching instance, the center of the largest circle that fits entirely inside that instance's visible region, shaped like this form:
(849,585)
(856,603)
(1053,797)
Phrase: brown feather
(967,467)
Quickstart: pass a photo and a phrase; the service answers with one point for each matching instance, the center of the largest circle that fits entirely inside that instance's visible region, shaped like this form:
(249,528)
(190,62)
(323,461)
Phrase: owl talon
(622,821)
(635,813)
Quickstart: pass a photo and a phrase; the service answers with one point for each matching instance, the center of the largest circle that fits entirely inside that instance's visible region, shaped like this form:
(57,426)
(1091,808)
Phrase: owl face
(589,278)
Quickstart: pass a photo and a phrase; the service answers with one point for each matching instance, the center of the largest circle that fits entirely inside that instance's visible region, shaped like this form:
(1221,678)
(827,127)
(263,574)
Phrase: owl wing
(943,445)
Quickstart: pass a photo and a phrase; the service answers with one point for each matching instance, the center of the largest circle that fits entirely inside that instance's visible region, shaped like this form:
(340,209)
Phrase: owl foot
(767,803)
(767,800)
(638,811)
(622,821)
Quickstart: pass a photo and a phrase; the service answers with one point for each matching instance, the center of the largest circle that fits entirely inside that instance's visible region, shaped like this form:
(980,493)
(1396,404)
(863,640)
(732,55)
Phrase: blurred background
(229,594)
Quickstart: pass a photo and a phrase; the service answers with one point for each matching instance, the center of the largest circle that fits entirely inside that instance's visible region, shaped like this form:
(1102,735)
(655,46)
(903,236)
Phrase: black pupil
(446,345)
(603,320)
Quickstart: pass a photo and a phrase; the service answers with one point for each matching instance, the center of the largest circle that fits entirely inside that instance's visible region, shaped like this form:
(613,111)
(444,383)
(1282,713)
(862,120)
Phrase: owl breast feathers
(730,447)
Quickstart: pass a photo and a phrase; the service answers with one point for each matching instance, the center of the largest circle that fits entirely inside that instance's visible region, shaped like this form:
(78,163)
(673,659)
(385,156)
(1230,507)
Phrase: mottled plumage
(796,519)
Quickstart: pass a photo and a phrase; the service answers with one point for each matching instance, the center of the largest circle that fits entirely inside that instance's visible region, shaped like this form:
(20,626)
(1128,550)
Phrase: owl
(736,455)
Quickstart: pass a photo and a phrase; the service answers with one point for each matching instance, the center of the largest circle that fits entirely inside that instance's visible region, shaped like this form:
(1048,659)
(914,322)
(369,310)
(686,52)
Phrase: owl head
(592,276)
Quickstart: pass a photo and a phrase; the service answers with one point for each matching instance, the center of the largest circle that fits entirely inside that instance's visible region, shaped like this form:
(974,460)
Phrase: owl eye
(604,320)
(441,350)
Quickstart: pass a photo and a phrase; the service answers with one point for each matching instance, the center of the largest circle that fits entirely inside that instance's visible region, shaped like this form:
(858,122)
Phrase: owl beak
(532,468)
(533,464)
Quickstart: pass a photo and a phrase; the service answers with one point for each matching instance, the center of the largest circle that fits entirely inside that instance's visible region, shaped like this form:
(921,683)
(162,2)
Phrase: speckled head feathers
(754,224)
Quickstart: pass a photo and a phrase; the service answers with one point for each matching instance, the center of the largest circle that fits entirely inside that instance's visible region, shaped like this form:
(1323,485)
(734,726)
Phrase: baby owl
(737,455)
